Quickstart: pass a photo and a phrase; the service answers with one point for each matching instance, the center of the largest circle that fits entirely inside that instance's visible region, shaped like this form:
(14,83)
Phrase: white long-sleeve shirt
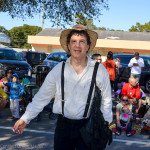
(76,89)
(136,69)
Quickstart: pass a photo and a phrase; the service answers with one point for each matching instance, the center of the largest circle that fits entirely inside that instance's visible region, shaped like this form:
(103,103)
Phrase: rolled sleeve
(41,99)
(106,104)
(141,63)
(130,63)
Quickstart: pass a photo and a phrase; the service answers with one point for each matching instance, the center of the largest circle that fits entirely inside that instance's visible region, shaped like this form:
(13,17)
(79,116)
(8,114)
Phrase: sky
(122,15)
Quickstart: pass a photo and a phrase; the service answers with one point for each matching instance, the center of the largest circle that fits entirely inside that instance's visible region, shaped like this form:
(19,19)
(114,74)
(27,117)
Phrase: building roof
(102,34)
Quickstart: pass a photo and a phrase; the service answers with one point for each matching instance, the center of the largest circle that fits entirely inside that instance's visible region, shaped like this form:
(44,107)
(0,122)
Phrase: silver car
(54,58)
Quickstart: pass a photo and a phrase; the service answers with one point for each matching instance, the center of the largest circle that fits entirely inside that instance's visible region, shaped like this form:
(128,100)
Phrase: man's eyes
(80,41)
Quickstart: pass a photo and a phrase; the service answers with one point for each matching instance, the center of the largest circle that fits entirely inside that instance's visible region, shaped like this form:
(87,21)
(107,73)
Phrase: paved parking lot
(40,136)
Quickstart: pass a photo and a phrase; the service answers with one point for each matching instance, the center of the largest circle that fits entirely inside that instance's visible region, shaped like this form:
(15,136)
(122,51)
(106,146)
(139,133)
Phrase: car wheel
(147,85)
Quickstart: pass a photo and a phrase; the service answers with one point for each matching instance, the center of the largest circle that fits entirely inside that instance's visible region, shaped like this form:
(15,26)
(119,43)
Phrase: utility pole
(43,18)
(57,19)
(72,20)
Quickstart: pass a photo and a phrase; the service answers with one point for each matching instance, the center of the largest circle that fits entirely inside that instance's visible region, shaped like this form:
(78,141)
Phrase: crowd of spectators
(130,95)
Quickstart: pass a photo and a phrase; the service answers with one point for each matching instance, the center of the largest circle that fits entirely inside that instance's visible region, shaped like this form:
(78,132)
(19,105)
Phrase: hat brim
(64,34)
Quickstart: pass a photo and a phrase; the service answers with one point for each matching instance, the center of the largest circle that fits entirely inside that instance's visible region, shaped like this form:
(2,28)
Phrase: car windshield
(10,55)
(35,56)
(58,56)
(124,60)
(146,62)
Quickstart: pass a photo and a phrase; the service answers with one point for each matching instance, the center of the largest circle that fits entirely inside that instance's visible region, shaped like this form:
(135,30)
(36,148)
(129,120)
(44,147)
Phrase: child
(6,89)
(123,114)
(125,117)
(16,90)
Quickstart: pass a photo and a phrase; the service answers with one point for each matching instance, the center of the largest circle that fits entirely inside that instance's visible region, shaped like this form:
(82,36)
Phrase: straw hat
(64,34)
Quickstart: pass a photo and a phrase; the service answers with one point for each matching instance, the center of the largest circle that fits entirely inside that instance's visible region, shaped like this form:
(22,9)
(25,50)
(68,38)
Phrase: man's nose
(78,44)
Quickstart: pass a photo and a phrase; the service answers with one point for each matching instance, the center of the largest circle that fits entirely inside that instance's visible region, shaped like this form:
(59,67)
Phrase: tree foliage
(4,30)
(54,8)
(100,28)
(81,19)
(19,35)
(140,28)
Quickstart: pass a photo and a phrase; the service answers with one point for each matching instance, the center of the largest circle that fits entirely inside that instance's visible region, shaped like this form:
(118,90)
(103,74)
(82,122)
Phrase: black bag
(95,133)
(143,110)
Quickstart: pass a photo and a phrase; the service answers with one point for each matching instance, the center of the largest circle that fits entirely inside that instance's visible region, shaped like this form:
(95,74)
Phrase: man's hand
(19,126)
(132,101)
(135,64)
(4,82)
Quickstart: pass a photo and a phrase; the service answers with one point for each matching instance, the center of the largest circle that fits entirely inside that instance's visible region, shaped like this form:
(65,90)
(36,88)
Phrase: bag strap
(62,87)
(91,89)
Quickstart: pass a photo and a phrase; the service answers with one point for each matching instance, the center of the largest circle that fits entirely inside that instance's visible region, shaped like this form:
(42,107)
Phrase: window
(50,57)
(146,62)
(125,60)
(10,55)
(63,57)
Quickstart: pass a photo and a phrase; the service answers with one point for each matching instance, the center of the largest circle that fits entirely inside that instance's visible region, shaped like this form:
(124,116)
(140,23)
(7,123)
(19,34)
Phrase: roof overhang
(101,43)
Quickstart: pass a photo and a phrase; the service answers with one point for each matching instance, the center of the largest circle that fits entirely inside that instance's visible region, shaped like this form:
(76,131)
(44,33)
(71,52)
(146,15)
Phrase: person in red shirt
(133,92)
(110,65)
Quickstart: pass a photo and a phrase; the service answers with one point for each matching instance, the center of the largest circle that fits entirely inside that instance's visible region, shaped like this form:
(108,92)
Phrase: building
(117,41)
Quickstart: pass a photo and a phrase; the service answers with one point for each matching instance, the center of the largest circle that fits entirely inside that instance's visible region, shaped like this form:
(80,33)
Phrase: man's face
(133,83)
(99,59)
(136,56)
(78,46)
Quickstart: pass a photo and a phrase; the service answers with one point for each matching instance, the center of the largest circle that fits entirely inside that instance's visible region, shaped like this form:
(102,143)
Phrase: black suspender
(90,91)
(62,86)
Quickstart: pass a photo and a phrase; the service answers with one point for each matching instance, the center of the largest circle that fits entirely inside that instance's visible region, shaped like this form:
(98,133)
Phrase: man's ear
(69,47)
(88,48)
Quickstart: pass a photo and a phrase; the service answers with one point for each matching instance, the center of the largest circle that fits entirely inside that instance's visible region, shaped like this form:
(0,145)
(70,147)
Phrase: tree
(3,30)
(101,28)
(140,28)
(19,35)
(64,9)
(81,19)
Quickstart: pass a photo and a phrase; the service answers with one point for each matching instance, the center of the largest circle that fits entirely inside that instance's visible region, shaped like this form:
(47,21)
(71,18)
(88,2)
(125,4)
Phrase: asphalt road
(39,136)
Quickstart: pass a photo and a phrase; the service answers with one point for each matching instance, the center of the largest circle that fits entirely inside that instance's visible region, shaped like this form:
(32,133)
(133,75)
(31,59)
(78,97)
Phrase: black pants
(112,84)
(67,134)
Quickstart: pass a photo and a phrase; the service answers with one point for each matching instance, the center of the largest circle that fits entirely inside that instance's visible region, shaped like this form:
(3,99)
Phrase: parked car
(54,58)
(9,58)
(145,74)
(33,57)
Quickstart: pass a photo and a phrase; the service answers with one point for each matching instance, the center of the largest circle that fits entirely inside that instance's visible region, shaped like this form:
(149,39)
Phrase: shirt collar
(91,62)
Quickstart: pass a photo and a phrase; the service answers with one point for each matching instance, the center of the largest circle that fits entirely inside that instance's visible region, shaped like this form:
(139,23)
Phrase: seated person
(7,78)
(8,75)
(123,114)
(5,88)
(133,93)
(3,99)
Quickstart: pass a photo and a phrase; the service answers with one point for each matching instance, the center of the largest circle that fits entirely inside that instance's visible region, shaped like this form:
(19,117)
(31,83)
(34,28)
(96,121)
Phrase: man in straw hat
(78,42)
